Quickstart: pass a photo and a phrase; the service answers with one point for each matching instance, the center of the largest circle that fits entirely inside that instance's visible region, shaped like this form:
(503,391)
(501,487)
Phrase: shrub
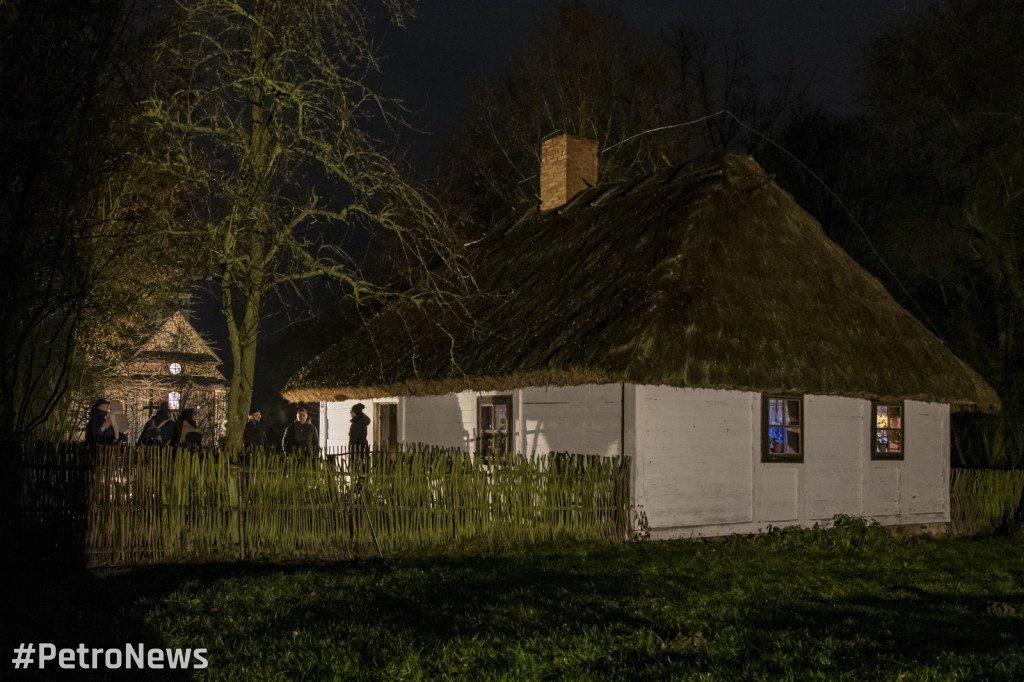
(844,533)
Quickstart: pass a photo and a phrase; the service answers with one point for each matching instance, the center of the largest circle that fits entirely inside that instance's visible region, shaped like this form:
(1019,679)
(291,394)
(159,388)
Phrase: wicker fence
(985,499)
(128,506)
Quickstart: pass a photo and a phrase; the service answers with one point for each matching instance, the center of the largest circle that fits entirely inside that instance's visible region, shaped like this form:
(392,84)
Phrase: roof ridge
(712,164)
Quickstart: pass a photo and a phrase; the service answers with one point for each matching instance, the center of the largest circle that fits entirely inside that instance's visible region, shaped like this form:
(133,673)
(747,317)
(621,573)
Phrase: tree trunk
(243,352)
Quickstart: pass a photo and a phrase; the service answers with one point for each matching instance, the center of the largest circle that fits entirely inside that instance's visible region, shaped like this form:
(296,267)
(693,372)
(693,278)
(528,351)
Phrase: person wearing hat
(254,436)
(357,442)
(100,429)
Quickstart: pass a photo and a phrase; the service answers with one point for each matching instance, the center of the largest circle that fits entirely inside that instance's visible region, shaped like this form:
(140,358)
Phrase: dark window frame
(767,456)
(388,441)
(877,456)
(484,441)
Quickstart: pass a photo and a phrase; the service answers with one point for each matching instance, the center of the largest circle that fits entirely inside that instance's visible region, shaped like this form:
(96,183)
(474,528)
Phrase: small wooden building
(696,320)
(175,366)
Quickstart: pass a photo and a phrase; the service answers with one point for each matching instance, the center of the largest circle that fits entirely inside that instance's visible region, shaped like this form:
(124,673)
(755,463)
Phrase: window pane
(486,418)
(888,441)
(793,441)
(776,410)
(500,416)
(173,400)
(775,438)
(895,417)
(882,416)
(793,412)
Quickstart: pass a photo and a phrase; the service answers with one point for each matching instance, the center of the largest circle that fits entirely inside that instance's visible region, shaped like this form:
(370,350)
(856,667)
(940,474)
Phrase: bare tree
(588,73)
(270,137)
(718,73)
(649,101)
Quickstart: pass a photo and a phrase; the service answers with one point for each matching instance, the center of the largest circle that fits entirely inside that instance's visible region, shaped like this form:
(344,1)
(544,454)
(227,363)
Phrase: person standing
(160,428)
(187,432)
(100,429)
(357,442)
(301,436)
(255,435)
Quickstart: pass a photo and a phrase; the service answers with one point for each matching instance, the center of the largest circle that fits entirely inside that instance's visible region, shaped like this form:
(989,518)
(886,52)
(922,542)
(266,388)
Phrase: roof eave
(985,401)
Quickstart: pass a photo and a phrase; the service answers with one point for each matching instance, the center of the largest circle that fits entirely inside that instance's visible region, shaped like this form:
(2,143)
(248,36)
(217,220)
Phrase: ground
(852,603)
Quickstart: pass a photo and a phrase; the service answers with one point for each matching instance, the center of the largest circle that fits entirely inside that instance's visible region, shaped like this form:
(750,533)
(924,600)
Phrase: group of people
(301,436)
(105,428)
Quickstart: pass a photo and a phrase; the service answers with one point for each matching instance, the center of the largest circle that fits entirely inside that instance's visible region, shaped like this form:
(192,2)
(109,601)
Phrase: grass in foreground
(849,603)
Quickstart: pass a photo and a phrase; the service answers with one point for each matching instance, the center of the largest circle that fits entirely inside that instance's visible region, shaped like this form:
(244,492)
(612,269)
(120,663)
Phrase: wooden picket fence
(127,506)
(985,499)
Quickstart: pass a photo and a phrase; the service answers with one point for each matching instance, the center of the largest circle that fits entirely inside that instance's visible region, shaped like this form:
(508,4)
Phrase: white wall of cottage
(699,469)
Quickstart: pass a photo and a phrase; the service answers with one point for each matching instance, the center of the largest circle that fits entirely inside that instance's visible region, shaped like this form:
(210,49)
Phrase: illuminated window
(887,431)
(494,417)
(175,368)
(173,400)
(782,428)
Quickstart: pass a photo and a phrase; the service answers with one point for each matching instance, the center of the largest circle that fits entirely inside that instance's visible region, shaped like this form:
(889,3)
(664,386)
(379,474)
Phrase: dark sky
(436,59)
(433,63)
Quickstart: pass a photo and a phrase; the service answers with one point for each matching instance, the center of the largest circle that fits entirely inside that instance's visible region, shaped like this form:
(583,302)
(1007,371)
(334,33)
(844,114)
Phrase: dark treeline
(79,269)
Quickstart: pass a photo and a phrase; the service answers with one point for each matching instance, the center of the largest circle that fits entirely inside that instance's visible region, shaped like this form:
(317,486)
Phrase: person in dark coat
(357,442)
(186,431)
(255,435)
(160,428)
(100,429)
(301,436)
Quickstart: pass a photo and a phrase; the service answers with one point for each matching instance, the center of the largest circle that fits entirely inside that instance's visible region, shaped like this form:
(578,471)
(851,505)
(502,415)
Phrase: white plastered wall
(699,469)
(916,489)
(579,419)
(694,466)
(700,473)
(584,420)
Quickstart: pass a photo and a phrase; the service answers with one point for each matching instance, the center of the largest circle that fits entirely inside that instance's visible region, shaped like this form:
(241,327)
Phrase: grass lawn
(850,603)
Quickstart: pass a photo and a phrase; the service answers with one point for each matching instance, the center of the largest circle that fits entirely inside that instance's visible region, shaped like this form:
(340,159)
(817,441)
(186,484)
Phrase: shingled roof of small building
(706,275)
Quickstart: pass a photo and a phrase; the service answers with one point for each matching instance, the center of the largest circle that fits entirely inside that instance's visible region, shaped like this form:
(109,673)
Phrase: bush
(844,533)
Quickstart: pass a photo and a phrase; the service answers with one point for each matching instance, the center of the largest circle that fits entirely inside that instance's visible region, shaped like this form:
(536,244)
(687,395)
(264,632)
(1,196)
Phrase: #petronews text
(133,656)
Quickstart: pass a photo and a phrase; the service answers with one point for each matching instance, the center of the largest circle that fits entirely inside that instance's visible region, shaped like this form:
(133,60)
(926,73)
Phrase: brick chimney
(568,165)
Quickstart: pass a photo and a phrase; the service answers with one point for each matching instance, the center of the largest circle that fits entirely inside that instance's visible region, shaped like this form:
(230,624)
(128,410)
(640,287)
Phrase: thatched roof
(707,275)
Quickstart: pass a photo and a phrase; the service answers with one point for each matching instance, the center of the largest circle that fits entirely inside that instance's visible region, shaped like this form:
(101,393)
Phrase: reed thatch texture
(707,275)
(130,506)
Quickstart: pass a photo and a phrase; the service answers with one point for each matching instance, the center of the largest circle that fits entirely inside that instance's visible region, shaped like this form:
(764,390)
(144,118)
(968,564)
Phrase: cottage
(174,365)
(696,320)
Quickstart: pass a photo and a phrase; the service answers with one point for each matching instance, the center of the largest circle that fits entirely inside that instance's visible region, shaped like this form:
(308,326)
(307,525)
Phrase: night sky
(434,62)
(453,43)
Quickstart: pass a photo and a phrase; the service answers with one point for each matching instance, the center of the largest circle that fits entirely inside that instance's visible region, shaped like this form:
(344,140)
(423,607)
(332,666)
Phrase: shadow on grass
(62,603)
(627,608)
(877,636)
